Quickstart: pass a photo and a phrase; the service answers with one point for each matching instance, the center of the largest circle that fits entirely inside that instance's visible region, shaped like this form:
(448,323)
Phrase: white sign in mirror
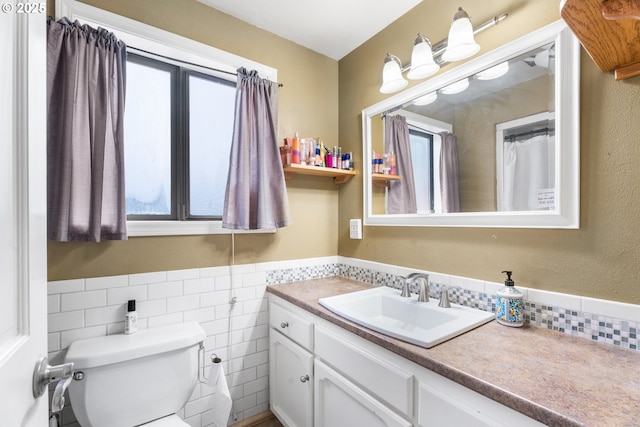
(492,143)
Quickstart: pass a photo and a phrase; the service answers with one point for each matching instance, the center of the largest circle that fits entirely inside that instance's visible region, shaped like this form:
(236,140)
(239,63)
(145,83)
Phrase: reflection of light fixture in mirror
(426,99)
(542,59)
(425,57)
(461,43)
(493,72)
(456,87)
(422,63)
(392,79)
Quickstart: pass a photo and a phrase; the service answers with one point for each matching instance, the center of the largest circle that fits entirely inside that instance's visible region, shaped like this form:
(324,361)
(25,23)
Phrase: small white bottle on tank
(510,305)
(131,318)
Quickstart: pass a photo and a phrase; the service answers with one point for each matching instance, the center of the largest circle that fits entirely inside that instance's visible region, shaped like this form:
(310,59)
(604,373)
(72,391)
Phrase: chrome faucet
(423,287)
(444,296)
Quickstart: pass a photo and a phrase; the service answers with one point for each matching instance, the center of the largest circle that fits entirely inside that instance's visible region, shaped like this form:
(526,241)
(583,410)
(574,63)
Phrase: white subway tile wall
(238,332)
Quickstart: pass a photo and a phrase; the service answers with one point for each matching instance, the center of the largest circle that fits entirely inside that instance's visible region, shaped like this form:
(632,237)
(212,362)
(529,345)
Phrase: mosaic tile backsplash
(599,328)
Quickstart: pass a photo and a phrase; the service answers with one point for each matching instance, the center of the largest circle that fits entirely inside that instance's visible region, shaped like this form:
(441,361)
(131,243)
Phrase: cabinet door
(339,402)
(444,403)
(290,381)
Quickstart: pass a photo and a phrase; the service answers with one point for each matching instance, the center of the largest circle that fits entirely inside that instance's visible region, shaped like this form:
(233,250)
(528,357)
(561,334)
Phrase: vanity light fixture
(426,99)
(392,80)
(426,58)
(493,72)
(543,58)
(457,87)
(422,63)
(461,43)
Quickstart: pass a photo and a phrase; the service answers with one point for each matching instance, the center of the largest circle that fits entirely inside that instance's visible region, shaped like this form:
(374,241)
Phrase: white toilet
(139,379)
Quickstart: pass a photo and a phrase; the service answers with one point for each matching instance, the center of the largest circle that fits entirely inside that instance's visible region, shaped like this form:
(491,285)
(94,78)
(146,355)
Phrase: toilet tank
(127,380)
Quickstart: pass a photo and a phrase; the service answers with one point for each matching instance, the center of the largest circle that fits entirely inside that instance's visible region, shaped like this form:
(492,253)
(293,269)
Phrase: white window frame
(161,42)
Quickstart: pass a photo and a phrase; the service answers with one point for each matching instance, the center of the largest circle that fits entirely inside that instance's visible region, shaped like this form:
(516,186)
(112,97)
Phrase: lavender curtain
(256,195)
(85,169)
(449,176)
(401,197)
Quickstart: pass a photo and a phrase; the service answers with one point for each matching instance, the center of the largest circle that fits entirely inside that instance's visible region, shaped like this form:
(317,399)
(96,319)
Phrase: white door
(23,299)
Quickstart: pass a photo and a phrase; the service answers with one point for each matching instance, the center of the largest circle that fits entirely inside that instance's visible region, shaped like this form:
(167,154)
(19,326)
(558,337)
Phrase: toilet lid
(169,421)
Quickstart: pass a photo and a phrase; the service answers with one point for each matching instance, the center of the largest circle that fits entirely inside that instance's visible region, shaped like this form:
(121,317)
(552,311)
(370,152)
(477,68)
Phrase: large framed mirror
(491,143)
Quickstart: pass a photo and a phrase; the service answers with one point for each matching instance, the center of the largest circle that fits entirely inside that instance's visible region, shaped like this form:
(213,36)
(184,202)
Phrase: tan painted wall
(600,260)
(308,105)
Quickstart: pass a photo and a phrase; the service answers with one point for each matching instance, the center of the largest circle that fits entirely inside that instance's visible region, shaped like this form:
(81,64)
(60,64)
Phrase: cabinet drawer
(389,384)
(291,325)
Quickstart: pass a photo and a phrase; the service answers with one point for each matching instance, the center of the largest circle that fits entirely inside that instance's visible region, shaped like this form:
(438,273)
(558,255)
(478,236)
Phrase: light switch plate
(355,228)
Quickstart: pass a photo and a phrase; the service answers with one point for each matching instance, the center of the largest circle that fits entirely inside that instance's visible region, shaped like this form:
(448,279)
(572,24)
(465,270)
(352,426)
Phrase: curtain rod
(50,19)
(187,62)
(512,138)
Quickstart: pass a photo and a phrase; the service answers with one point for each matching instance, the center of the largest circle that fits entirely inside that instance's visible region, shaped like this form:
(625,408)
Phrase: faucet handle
(444,296)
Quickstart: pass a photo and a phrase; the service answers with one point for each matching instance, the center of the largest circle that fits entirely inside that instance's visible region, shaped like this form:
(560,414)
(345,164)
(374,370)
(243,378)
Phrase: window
(425,156)
(145,37)
(178,131)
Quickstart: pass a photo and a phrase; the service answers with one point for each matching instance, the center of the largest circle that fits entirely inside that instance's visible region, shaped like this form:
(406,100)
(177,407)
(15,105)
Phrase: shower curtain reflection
(529,174)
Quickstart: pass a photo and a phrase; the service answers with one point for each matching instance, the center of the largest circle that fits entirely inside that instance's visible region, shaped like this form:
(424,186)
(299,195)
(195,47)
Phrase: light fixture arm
(439,48)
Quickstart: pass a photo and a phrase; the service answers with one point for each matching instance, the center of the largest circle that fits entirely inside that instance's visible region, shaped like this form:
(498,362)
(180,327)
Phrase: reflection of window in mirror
(425,142)
(424,174)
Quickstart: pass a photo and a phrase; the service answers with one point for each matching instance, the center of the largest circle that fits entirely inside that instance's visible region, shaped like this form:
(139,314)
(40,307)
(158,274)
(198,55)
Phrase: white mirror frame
(567,116)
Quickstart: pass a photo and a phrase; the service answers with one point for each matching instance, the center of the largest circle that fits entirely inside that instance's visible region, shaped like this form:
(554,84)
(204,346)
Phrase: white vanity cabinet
(290,367)
(358,383)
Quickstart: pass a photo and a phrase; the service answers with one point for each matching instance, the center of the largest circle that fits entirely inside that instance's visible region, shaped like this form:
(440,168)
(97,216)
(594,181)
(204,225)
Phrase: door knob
(45,374)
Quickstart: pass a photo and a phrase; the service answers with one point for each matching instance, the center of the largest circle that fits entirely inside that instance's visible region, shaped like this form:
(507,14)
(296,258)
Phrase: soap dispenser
(510,306)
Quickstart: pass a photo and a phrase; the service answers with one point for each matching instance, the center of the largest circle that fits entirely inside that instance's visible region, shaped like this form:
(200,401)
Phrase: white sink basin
(422,323)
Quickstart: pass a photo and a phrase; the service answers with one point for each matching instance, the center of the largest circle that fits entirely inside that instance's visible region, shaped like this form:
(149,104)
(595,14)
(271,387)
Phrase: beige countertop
(554,378)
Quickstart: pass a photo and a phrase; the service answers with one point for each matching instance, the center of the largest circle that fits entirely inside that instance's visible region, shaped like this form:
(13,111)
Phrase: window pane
(211,113)
(147,132)
(422,173)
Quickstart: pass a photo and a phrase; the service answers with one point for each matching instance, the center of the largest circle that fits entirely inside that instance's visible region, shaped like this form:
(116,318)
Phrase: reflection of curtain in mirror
(401,196)
(527,170)
(449,176)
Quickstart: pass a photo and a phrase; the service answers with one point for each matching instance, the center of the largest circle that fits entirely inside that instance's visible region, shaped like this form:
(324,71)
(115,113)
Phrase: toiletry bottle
(509,305)
(287,144)
(318,156)
(131,318)
(295,150)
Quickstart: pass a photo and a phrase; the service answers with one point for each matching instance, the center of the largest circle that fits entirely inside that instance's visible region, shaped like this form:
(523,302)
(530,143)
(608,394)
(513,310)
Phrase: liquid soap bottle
(510,306)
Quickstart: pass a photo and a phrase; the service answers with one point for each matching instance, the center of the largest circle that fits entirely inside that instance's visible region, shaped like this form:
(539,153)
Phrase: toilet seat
(168,421)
